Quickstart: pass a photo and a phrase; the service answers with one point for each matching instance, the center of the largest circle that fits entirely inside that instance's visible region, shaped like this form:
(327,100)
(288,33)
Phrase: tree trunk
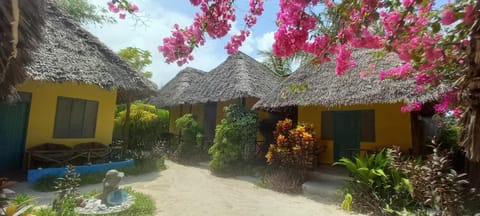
(470,122)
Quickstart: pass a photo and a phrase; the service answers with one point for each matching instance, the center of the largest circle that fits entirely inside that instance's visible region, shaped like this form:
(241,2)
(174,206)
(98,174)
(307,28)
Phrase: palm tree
(284,66)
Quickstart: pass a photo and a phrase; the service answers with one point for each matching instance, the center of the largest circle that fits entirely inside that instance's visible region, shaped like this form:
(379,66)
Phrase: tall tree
(85,12)
(283,66)
(137,58)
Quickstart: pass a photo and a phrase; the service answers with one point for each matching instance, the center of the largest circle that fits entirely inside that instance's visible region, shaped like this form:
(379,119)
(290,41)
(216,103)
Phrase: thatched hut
(172,96)
(350,113)
(73,84)
(21,22)
(239,79)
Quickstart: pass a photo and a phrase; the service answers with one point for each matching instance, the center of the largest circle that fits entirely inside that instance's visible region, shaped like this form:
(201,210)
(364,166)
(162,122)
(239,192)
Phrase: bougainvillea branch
(122,7)
(432,41)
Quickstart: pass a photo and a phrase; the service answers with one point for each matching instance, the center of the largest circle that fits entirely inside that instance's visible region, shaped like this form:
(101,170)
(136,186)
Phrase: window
(75,118)
(367,125)
(327,125)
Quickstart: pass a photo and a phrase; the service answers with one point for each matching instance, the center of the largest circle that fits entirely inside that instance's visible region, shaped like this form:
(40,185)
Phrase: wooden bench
(52,155)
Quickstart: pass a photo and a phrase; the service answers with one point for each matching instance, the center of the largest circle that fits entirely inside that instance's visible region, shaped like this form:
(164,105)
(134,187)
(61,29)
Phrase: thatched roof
(173,92)
(70,53)
(237,77)
(31,20)
(327,89)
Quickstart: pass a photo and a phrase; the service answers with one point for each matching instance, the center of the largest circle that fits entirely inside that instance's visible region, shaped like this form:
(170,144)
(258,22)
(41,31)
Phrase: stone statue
(110,183)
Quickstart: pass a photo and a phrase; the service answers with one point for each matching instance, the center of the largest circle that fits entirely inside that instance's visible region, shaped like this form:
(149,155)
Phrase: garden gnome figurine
(110,183)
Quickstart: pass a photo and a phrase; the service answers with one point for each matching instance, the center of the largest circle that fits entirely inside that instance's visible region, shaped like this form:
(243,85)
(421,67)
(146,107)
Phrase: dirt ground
(185,190)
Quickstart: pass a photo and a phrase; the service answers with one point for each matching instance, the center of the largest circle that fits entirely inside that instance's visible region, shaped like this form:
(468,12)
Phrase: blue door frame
(13,128)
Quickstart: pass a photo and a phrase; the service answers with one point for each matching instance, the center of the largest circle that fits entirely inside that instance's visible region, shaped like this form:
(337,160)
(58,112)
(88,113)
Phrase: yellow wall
(392,127)
(198,110)
(43,109)
(178,111)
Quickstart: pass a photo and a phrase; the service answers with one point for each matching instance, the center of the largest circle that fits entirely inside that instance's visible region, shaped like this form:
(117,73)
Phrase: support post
(126,128)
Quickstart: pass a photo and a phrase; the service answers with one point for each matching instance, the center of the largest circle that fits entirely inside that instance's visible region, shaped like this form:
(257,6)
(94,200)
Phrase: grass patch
(144,206)
(141,167)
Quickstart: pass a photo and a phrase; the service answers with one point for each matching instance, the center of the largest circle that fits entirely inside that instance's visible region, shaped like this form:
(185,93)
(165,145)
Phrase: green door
(13,127)
(346,136)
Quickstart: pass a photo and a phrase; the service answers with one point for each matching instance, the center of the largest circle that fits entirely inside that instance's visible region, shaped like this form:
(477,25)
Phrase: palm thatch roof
(27,35)
(237,77)
(173,92)
(70,53)
(325,88)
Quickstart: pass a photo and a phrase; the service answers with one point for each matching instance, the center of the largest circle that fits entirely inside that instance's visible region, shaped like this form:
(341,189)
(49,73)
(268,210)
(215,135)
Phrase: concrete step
(326,190)
(323,176)
(326,183)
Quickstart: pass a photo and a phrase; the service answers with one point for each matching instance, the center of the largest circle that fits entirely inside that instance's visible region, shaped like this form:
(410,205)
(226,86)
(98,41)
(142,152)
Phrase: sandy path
(184,190)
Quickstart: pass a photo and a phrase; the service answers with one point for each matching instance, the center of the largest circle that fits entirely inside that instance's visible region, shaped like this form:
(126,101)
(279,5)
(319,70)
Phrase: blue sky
(162,15)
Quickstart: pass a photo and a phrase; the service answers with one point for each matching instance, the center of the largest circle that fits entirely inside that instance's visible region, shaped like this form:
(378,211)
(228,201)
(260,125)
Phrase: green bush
(388,183)
(449,133)
(376,186)
(191,136)
(235,138)
(147,124)
(437,188)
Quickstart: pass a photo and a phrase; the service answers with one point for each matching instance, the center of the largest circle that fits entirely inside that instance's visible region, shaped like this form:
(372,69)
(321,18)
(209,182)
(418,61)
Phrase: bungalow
(350,113)
(69,97)
(239,79)
(171,95)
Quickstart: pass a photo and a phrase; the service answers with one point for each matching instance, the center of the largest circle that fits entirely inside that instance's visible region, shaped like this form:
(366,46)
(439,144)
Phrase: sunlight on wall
(44,104)
(392,127)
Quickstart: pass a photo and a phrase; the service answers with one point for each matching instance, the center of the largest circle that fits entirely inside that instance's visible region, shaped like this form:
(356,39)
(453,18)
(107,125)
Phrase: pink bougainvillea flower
(414,106)
(196,2)
(470,15)
(134,8)
(122,15)
(343,60)
(408,3)
(457,112)
(448,16)
(448,98)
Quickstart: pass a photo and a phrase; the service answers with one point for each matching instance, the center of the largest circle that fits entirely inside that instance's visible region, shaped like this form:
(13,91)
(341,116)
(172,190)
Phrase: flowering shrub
(294,147)
(191,136)
(235,137)
(147,123)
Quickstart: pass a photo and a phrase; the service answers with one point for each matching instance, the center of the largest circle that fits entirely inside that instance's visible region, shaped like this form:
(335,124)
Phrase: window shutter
(75,118)
(90,120)
(62,117)
(327,125)
(367,129)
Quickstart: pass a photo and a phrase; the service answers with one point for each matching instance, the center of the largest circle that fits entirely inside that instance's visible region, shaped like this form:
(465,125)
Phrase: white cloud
(127,33)
(159,24)
(265,41)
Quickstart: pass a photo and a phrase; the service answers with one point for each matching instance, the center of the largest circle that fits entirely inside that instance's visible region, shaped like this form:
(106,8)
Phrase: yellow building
(239,79)
(72,87)
(351,114)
